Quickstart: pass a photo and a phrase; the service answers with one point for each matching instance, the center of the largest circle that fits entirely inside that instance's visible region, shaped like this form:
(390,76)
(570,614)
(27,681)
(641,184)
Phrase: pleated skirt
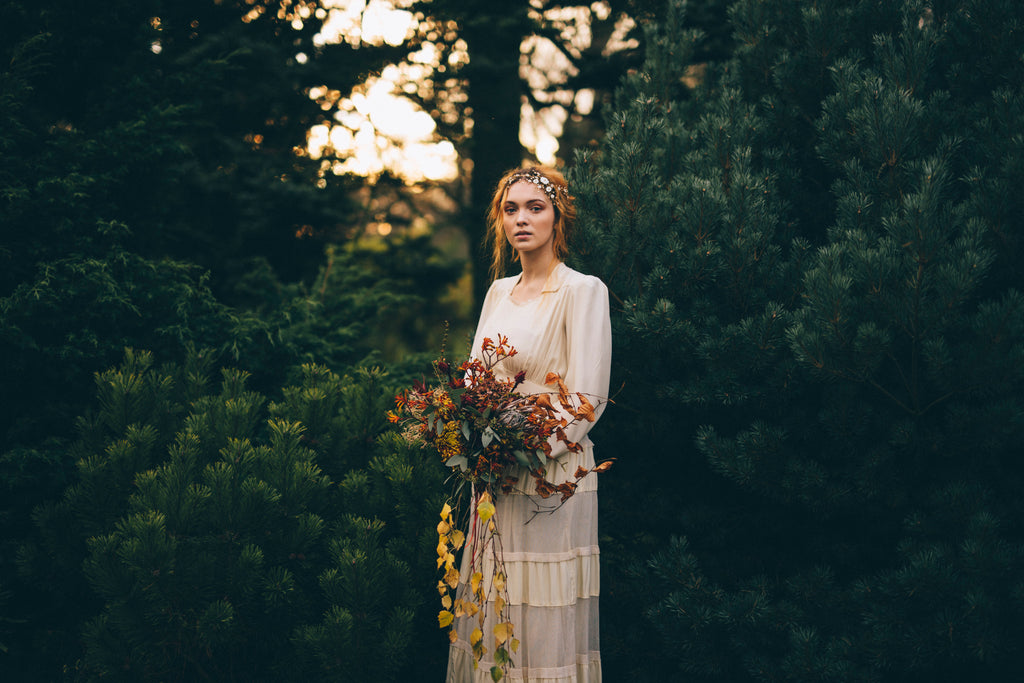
(552,564)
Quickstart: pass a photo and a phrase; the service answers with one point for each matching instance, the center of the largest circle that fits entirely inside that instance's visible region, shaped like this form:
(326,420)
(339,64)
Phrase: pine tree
(140,141)
(151,195)
(819,327)
(203,539)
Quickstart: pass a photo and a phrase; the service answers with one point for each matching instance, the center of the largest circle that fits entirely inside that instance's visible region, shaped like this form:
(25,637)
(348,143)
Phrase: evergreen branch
(618,299)
(947,396)
(899,369)
(885,392)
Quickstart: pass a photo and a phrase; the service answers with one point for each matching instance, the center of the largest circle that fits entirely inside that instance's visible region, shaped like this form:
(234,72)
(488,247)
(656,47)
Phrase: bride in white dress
(557,320)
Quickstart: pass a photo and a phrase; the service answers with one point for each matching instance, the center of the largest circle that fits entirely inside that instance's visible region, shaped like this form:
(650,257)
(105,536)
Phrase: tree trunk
(494,100)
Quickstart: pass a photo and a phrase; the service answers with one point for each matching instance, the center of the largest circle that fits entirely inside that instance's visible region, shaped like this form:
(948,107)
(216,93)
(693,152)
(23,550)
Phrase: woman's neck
(535,274)
(537,268)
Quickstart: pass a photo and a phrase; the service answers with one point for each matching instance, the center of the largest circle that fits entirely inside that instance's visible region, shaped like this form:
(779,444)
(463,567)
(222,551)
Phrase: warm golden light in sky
(376,128)
(356,22)
(379,130)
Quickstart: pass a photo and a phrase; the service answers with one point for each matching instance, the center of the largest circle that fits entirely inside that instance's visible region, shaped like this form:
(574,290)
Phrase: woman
(557,320)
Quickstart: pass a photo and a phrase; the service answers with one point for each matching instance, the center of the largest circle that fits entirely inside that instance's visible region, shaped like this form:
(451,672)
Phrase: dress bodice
(566,330)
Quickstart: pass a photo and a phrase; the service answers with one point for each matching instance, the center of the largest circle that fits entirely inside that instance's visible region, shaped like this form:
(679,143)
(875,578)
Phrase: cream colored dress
(553,562)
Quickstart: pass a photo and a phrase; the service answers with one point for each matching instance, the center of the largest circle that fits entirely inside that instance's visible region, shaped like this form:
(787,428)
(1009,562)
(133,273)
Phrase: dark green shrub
(202,538)
(820,331)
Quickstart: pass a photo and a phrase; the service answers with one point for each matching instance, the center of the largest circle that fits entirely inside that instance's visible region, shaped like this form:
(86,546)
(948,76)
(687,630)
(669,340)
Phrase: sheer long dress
(552,563)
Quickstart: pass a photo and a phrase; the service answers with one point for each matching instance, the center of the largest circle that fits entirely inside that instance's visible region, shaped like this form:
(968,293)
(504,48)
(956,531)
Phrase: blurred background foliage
(807,215)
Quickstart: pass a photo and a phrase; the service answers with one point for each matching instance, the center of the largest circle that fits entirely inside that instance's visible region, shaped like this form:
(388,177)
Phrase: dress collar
(553,282)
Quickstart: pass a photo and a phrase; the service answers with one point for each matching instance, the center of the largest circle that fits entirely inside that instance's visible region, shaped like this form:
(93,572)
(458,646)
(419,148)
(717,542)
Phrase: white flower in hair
(537,178)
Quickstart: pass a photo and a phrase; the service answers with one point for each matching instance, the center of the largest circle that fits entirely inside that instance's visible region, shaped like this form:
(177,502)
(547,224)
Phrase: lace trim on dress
(550,583)
(586,670)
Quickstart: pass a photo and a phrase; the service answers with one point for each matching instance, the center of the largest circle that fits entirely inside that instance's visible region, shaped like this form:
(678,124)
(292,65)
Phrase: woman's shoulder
(575,280)
(503,284)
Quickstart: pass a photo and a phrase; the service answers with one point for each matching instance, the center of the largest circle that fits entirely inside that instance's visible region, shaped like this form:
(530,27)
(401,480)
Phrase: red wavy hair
(565,215)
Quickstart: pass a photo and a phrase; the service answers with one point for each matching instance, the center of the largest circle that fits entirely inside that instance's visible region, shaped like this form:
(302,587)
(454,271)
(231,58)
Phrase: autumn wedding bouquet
(490,435)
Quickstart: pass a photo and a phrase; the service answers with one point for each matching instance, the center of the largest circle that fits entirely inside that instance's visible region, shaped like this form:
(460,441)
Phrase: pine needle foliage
(204,540)
(812,250)
(155,193)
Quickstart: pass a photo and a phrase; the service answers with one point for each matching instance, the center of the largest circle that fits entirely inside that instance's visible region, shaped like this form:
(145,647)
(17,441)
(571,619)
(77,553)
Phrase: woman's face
(529,217)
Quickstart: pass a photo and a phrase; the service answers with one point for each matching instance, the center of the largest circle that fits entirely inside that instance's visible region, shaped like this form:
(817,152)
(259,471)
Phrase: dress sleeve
(588,334)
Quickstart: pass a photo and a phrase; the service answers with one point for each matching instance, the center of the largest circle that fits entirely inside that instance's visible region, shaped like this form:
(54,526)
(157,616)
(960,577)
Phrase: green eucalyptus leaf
(521,458)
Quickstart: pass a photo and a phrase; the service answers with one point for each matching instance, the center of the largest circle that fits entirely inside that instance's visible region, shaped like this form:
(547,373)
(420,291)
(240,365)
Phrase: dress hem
(587,669)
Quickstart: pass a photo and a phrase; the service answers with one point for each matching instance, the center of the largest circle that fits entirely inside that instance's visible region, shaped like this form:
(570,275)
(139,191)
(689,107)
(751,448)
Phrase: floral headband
(537,178)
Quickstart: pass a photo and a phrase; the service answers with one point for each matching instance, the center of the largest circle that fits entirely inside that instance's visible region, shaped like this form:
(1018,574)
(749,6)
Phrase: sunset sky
(376,128)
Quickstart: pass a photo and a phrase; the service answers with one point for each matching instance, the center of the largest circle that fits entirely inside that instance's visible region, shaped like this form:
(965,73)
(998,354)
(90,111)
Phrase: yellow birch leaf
(499,581)
(474,582)
(471,608)
(442,548)
(515,645)
(446,511)
(491,527)
(502,632)
(458,538)
(449,561)
(440,561)
(475,636)
(443,527)
(452,636)
(485,508)
(441,588)
(451,577)
(446,602)
(460,608)
(445,618)
(499,605)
